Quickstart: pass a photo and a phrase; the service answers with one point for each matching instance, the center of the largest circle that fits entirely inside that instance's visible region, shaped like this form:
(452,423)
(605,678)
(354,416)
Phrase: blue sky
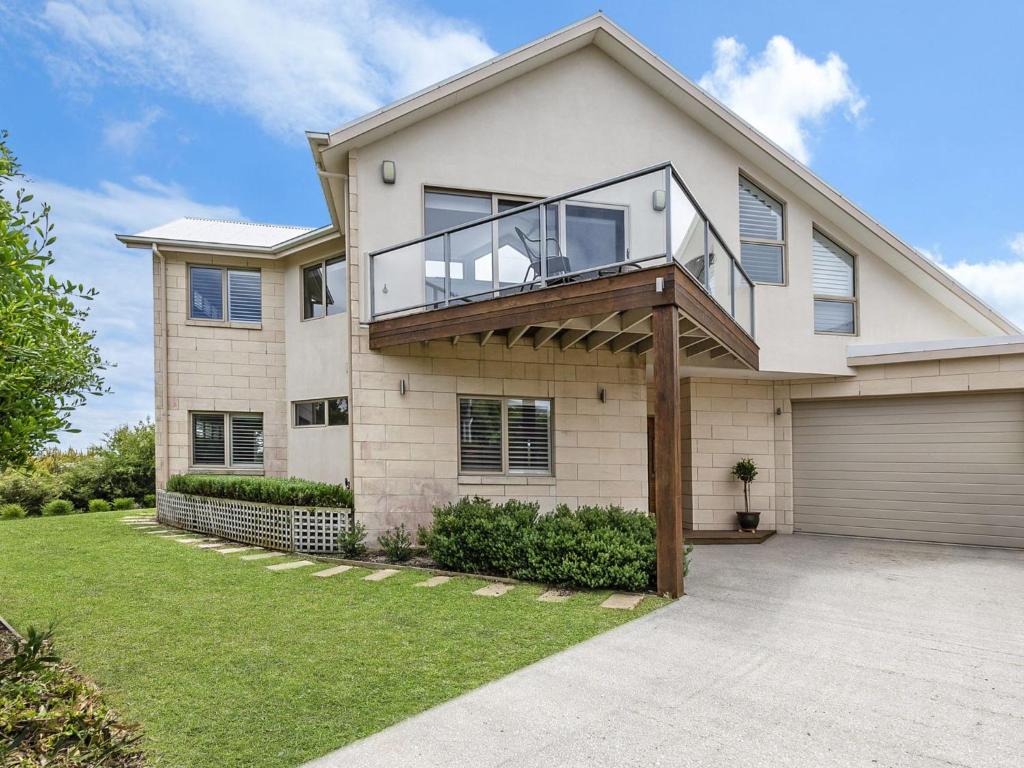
(129,113)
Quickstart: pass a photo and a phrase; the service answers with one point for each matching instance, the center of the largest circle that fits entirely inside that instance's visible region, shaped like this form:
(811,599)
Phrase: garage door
(947,468)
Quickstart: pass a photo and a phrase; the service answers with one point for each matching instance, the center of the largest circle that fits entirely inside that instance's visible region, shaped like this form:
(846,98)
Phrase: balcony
(585,267)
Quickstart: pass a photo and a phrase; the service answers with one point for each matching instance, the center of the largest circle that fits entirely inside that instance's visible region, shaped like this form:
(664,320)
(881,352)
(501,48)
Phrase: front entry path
(804,651)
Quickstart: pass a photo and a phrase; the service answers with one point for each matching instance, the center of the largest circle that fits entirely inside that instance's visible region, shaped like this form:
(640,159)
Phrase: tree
(48,361)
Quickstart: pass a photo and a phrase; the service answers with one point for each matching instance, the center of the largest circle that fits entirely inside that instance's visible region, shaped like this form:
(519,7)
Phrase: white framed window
(510,435)
(326,412)
(835,287)
(225,294)
(325,288)
(762,234)
(226,440)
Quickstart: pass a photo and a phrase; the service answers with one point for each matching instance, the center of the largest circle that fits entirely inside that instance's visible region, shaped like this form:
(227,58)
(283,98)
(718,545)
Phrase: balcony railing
(638,220)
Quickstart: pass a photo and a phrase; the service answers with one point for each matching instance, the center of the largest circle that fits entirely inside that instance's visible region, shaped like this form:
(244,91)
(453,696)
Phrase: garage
(944,468)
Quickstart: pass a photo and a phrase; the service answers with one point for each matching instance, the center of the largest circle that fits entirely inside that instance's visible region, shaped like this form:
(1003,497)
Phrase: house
(570,275)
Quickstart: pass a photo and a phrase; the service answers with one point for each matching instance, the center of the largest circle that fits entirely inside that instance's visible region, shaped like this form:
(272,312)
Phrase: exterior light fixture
(658,199)
(388,172)
(401,387)
(602,394)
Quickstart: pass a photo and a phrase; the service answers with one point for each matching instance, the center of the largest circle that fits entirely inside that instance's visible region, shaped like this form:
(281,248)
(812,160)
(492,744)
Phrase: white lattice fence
(313,530)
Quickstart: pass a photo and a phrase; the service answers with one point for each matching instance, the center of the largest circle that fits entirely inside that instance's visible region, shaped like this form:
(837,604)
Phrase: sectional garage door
(943,468)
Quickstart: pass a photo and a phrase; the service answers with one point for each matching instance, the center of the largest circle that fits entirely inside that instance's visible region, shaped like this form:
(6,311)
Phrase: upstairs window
(762,239)
(505,436)
(212,289)
(835,299)
(325,288)
(227,440)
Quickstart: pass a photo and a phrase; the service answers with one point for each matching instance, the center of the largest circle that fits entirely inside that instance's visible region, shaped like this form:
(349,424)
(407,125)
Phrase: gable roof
(600,31)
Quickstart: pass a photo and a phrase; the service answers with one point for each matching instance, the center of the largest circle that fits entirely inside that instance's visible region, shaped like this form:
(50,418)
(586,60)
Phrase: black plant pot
(748,520)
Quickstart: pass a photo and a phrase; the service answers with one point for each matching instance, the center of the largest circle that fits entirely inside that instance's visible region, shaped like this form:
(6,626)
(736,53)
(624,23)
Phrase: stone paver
(159,530)
(211,546)
(433,581)
(556,596)
(190,541)
(623,602)
(262,556)
(383,573)
(332,571)
(495,589)
(290,565)
(233,550)
(142,525)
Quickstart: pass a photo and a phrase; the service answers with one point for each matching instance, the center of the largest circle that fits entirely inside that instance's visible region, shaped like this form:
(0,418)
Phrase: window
(211,287)
(227,439)
(761,234)
(332,412)
(325,288)
(835,301)
(510,435)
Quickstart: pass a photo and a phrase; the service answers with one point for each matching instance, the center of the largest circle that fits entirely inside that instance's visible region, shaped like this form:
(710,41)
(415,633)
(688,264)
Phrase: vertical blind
(245,302)
(529,435)
(479,435)
(760,220)
(247,439)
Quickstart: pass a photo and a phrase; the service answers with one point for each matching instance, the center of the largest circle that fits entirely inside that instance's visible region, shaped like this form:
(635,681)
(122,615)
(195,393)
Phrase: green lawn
(227,664)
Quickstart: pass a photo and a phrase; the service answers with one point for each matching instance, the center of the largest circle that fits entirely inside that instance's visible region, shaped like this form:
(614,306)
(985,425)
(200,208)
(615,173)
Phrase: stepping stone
(213,544)
(262,556)
(495,589)
(289,566)
(159,530)
(556,596)
(383,573)
(190,541)
(233,550)
(433,581)
(622,602)
(332,571)
(142,525)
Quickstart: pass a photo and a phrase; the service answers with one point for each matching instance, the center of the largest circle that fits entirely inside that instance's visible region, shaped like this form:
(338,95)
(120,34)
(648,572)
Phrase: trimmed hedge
(98,505)
(149,501)
(594,547)
(124,502)
(267,490)
(12,511)
(58,507)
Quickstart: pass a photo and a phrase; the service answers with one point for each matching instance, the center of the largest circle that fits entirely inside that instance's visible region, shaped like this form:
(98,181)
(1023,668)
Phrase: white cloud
(126,135)
(781,92)
(122,313)
(310,64)
(1017,243)
(998,282)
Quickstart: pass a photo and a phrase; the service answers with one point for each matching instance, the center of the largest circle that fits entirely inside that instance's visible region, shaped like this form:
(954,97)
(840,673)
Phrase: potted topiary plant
(745,471)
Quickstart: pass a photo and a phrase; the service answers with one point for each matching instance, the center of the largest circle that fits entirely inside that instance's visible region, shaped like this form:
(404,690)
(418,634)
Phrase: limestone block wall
(214,366)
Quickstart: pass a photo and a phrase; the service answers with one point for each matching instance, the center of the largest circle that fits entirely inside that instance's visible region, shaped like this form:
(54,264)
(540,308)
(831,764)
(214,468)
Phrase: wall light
(388,172)
(602,395)
(658,199)
(401,387)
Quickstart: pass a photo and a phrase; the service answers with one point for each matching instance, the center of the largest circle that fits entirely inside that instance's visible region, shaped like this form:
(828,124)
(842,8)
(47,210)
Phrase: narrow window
(331,412)
(835,300)
(208,439)
(313,292)
(337,412)
(336,287)
(309,414)
(761,234)
(206,293)
(247,439)
(325,288)
(529,435)
(480,435)
(245,301)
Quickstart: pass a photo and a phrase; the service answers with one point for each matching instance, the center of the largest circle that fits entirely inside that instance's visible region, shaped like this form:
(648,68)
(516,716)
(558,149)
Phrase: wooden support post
(668,470)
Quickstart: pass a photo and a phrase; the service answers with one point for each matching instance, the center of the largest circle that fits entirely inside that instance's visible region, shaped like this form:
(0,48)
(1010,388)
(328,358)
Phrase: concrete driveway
(804,651)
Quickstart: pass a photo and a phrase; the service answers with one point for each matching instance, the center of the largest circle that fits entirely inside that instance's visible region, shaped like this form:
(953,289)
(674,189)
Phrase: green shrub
(58,507)
(477,536)
(352,543)
(396,544)
(30,489)
(149,501)
(99,505)
(595,547)
(268,490)
(12,511)
(124,503)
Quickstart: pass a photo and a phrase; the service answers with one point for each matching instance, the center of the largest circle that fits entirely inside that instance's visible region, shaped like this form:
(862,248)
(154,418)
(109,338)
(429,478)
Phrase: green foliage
(268,490)
(149,501)
(51,716)
(32,490)
(123,503)
(99,505)
(595,547)
(352,543)
(58,507)
(745,471)
(396,544)
(12,511)
(49,364)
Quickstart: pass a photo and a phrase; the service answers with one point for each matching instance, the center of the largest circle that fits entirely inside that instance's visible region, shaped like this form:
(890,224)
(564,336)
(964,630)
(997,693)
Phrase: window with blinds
(510,435)
(762,238)
(835,300)
(209,287)
(227,440)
